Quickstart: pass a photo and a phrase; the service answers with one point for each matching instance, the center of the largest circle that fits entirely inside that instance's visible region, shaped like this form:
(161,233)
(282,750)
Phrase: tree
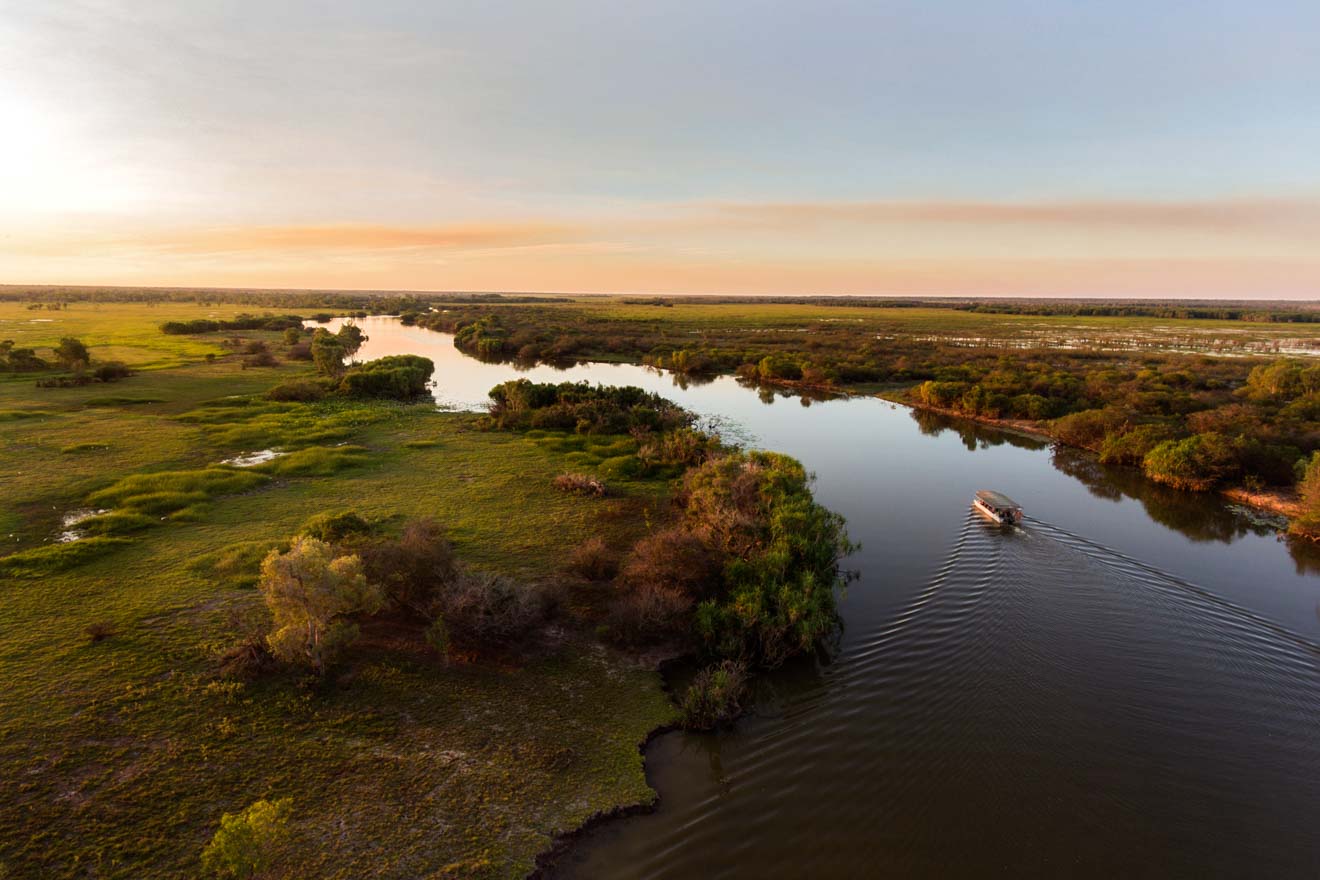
(71,353)
(309,593)
(245,842)
(1197,463)
(292,335)
(351,337)
(1308,524)
(327,352)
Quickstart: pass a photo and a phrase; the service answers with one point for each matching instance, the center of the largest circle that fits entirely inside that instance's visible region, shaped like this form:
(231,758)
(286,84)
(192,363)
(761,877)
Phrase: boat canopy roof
(997,499)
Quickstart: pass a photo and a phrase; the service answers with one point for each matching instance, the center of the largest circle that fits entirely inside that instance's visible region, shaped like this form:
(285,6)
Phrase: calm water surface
(1128,685)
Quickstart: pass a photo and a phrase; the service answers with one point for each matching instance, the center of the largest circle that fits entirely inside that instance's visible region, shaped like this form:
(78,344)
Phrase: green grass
(117,758)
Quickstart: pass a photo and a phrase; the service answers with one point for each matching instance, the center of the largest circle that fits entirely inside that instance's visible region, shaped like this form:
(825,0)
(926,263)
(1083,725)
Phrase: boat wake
(1039,683)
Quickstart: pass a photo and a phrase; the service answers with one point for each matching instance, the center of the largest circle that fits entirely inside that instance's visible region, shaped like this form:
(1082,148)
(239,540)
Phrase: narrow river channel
(1127,685)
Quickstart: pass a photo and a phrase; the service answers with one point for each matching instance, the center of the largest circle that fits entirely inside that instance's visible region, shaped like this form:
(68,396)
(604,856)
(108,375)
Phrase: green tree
(292,335)
(327,352)
(245,842)
(1198,463)
(310,592)
(72,353)
(351,337)
(781,550)
(1308,523)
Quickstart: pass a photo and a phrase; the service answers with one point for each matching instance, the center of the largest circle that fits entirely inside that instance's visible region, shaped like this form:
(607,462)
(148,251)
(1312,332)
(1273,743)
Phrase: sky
(929,147)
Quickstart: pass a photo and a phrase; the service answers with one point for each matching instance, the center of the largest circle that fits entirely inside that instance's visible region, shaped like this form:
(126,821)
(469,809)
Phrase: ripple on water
(1044,706)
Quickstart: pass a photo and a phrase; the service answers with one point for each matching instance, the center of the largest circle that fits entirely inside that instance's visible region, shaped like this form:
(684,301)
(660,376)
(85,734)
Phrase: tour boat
(998,507)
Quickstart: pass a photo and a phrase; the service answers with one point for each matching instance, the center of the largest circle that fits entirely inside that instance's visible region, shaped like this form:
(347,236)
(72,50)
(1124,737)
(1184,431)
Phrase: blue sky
(885,147)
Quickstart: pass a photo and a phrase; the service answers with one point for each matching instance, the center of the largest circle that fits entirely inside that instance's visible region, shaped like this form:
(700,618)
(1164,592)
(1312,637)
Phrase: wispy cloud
(1223,214)
(363,237)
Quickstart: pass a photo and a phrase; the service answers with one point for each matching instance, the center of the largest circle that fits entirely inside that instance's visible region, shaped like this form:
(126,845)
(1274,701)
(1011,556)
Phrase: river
(1128,685)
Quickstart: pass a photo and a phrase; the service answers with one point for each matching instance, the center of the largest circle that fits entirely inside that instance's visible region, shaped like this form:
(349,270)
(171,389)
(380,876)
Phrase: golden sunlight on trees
(309,593)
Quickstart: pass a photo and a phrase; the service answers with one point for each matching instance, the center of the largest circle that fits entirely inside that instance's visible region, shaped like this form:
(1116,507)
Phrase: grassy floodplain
(118,756)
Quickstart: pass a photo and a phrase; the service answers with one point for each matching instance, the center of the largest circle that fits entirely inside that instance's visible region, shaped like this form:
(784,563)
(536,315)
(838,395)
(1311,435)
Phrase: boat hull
(992,514)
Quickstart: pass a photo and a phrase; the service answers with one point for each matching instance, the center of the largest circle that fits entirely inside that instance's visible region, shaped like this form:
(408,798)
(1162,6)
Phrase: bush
(782,553)
(484,609)
(111,371)
(311,593)
(1197,463)
(1308,523)
(398,377)
(334,528)
(648,615)
(581,407)
(415,570)
(580,484)
(672,559)
(1131,447)
(246,842)
(297,391)
(714,698)
(593,560)
(779,367)
(1086,429)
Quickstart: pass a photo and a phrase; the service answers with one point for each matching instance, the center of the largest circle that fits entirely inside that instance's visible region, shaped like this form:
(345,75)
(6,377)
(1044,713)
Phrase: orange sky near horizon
(1243,248)
(907,148)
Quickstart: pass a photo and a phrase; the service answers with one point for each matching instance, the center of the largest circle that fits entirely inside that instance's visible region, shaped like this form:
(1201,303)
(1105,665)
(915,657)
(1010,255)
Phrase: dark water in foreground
(1128,685)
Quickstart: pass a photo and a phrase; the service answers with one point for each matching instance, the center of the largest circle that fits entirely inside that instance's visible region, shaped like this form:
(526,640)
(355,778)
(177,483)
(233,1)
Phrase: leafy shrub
(297,391)
(593,560)
(581,407)
(782,551)
(1131,447)
(1307,524)
(1088,428)
(780,367)
(238,322)
(111,371)
(680,448)
(334,528)
(714,697)
(398,377)
(415,569)
(246,842)
(1197,463)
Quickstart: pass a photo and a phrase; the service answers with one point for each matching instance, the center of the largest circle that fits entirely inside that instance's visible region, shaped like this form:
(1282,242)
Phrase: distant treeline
(376,302)
(240,322)
(1307,313)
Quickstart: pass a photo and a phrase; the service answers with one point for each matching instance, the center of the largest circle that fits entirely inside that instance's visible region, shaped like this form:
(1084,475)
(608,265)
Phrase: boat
(998,507)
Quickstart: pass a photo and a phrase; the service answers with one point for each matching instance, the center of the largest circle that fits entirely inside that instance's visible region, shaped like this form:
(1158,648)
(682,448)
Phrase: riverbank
(1277,501)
